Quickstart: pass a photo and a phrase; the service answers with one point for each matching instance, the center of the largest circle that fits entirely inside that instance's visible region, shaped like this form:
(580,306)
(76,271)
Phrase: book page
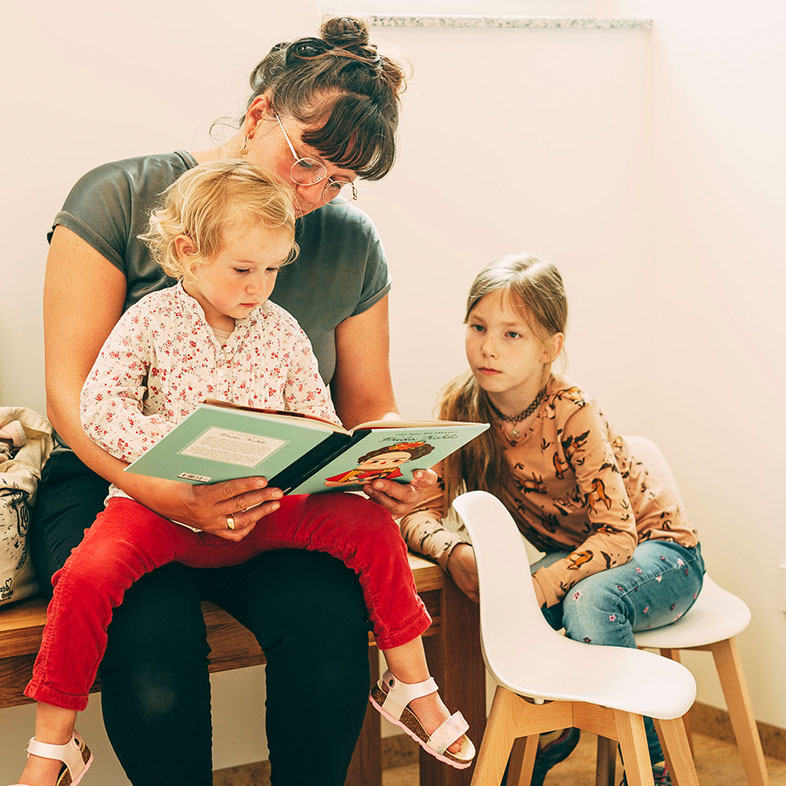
(237,448)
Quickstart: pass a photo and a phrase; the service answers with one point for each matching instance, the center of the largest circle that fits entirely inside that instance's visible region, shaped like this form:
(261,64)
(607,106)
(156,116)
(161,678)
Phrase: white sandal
(393,706)
(74,754)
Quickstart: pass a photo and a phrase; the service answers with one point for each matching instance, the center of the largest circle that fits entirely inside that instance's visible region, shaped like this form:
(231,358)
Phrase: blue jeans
(659,584)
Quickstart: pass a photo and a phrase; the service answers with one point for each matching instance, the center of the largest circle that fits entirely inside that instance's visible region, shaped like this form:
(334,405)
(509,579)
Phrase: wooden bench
(452,645)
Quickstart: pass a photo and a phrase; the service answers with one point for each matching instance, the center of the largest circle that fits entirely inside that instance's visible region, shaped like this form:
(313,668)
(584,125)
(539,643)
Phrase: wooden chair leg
(677,752)
(633,743)
(675,656)
(498,739)
(522,760)
(365,769)
(743,722)
(606,762)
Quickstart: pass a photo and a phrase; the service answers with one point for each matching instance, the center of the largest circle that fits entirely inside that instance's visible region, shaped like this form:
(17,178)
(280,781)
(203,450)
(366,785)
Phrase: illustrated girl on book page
(381,463)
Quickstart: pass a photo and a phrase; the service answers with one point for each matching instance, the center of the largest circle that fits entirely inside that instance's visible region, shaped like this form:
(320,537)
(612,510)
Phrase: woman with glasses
(323,113)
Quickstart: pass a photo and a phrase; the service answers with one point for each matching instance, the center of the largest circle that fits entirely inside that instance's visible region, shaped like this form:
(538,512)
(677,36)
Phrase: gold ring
(231,522)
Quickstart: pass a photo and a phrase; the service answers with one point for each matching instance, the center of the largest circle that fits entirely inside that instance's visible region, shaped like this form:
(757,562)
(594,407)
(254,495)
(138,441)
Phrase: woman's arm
(362,387)
(363,390)
(83,299)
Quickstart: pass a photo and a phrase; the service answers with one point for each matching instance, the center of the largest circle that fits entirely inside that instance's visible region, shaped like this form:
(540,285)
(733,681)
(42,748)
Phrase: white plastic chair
(711,625)
(547,681)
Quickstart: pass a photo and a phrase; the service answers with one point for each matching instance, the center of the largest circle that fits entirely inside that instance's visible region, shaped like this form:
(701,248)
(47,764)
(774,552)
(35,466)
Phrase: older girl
(322,114)
(620,553)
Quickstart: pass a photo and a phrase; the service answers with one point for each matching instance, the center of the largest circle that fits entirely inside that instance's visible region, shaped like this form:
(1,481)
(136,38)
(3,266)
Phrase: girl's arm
(363,390)
(611,524)
(83,299)
(424,533)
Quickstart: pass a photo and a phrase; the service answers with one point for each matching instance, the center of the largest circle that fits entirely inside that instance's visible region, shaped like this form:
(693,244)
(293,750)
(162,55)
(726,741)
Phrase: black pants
(305,609)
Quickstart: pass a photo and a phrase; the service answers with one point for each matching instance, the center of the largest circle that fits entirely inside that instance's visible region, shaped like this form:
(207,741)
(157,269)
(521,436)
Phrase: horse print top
(573,486)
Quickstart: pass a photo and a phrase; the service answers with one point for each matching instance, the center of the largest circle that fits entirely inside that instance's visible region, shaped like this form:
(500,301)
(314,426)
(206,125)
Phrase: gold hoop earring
(244,149)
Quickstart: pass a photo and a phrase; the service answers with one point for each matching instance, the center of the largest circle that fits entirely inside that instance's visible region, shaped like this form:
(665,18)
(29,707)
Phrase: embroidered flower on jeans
(662,557)
(576,595)
(680,561)
(659,578)
(639,570)
(587,640)
(672,607)
(646,609)
(612,617)
(620,588)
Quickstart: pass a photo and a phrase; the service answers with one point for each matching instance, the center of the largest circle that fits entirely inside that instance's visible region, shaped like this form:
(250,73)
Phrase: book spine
(318,457)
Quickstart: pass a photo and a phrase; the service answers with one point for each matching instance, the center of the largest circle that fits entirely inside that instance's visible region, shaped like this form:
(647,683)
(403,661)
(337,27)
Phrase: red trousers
(127,540)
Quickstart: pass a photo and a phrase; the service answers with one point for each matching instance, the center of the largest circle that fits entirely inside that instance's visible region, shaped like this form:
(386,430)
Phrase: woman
(323,112)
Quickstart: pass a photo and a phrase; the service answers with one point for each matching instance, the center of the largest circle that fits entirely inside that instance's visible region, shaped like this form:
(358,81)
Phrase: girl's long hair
(537,286)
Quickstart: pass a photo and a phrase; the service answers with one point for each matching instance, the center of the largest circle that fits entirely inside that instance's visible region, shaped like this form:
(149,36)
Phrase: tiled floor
(717,764)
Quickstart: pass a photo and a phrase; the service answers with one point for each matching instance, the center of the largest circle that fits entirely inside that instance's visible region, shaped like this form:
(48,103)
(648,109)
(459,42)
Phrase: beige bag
(25,444)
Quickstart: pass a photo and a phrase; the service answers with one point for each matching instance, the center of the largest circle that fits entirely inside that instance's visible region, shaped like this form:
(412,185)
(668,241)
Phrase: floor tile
(717,764)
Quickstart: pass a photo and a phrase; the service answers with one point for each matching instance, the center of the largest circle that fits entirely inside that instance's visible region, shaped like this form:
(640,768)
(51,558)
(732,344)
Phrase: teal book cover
(216,443)
(297,453)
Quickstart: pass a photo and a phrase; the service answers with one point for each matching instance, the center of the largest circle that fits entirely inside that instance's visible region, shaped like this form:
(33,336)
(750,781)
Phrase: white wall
(648,166)
(718,290)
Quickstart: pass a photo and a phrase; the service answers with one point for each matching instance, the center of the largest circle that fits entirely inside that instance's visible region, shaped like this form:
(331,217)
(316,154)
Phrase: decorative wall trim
(502,22)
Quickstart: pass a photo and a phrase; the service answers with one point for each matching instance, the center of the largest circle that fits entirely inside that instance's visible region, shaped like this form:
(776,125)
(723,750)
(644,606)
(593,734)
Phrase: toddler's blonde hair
(206,199)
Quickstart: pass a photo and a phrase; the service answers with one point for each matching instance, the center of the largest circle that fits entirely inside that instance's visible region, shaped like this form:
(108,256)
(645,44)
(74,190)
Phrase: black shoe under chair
(660,774)
(551,753)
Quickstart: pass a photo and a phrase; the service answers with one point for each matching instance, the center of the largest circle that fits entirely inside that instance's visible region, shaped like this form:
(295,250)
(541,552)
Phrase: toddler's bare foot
(40,772)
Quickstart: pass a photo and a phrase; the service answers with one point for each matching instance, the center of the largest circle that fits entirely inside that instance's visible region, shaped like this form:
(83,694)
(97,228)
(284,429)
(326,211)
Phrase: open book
(300,454)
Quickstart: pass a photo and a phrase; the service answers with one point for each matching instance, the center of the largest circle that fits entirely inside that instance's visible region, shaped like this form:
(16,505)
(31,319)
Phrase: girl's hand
(400,498)
(463,569)
(246,500)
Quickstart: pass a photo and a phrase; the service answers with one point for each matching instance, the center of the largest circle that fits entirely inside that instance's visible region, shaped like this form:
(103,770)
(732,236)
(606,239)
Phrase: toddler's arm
(115,389)
(304,389)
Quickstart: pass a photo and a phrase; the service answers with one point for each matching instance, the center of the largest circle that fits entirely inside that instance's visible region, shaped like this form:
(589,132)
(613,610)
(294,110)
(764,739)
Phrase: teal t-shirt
(341,269)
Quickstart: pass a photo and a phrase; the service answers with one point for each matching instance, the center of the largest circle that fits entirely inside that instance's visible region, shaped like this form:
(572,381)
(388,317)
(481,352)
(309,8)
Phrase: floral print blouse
(162,360)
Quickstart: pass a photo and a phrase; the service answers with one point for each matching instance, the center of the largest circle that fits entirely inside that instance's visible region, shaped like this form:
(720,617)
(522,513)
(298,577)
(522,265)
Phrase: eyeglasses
(309,172)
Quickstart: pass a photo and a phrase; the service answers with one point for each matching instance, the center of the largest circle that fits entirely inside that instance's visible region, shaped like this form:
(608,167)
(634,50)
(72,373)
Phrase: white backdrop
(647,165)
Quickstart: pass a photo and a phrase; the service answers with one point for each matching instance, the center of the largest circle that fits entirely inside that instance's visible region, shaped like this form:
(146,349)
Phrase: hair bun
(344,32)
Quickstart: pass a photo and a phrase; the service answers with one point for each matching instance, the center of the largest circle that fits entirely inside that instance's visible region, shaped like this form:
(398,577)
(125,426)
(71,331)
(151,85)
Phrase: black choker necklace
(523,415)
